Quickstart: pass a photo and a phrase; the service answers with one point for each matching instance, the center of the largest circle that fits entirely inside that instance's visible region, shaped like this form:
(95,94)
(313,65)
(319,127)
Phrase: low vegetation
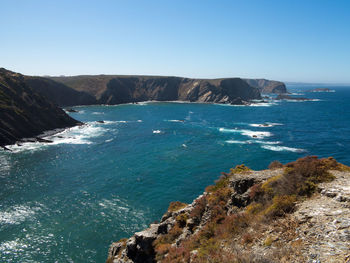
(226,231)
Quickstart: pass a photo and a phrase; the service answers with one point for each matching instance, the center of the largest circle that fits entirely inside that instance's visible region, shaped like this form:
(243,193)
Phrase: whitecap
(109,140)
(282,148)
(157,131)
(263,104)
(139,120)
(236,142)
(267,142)
(175,120)
(75,135)
(98,113)
(266,124)
(252,141)
(249,133)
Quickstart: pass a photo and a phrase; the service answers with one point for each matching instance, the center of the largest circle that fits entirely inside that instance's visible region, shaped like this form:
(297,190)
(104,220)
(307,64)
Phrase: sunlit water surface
(67,201)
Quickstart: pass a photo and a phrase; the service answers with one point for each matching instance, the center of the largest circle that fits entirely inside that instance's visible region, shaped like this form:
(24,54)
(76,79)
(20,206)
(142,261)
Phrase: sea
(67,201)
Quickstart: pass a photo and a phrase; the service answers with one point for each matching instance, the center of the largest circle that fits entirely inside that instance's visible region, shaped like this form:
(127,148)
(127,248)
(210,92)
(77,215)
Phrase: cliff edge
(268,86)
(298,212)
(109,89)
(24,113)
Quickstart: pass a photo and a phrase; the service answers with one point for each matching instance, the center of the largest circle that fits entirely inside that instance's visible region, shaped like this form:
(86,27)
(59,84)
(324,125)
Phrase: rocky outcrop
(288,97)
(249,217)
(324,222)
(140,247)
(268,86)
(126,89)
(24,113)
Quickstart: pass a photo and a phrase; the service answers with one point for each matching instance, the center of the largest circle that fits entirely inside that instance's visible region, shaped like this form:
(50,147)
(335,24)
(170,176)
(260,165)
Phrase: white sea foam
(254,104)
(109,140)
(282,148)
(75,135)
(251,142)
(98,113)
(249,133)
(237,142)
(263,104)
(139,120)
(308,100)
(175,120)
(78,134)
(266,124)
(157,131)
(296,94)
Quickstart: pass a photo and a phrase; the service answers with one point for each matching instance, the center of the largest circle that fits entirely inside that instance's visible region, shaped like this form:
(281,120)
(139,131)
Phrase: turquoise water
(67,201)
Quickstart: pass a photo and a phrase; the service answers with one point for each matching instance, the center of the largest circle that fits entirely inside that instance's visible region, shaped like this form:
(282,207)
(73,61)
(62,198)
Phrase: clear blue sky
(285,40)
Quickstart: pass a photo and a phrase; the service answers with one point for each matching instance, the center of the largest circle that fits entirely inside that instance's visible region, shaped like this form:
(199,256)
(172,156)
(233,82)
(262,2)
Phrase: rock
(268,86)
(100,121)
(25,113)
(71,110)
(288,97)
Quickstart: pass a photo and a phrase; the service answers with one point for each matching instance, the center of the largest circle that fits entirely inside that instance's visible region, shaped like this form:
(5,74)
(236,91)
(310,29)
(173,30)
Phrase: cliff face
(254,216)
(267,86)
(23,112)
(59,93)
(126,89)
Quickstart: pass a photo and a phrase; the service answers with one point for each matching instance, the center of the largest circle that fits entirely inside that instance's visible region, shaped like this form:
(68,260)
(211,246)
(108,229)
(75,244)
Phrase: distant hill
(23,112)
(110,89)
(58,92)
(268,86)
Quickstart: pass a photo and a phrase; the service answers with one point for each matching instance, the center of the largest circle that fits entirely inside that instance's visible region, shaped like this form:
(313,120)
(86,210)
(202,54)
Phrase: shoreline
(41,138)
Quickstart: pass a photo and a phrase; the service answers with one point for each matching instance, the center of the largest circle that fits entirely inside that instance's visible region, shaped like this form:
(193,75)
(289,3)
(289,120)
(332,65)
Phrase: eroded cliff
(126,89)
(268,86)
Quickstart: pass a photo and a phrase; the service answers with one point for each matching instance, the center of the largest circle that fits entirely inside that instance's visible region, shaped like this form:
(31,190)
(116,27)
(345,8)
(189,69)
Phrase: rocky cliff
(296,212)
(23,112)
(267,86)
(59,93)
(126,89)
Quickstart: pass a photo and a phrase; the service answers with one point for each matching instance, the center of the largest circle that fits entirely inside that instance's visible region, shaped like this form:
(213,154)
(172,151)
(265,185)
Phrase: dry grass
(225,234)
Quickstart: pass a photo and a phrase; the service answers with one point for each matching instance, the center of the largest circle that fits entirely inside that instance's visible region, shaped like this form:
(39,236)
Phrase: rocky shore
(26,114)
(254,216)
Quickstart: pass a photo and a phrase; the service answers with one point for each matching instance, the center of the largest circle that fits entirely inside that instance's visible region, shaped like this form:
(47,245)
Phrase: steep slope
(58,92)
(268,86)
(126,89)
(289,213)
(23,112)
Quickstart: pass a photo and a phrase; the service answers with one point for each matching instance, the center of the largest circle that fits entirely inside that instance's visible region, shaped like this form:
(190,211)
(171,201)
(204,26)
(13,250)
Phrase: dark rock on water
(24,113)
(100,121)
(71,110)
(288,97)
